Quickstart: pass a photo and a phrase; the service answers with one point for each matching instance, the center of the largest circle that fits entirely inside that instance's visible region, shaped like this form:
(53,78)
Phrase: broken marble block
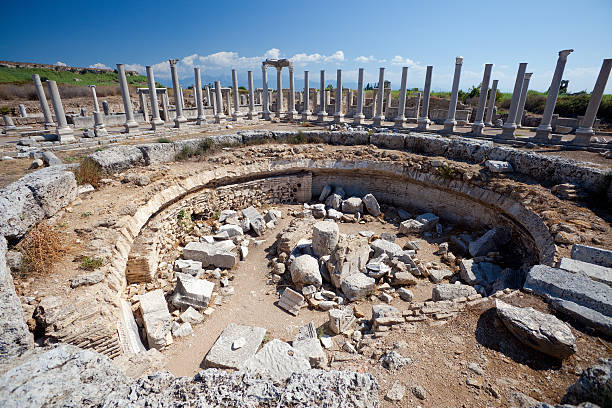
(334,201)
(382,246)
(191,316)
(210,254)
(429,221)
(325,235)
(411,227)
(371,205)
(279,360)
(352,205)
(258,224)
(156,318)
(540,331)
(231,230)
(325,192)
(341,319)
(291,301)
(498,166)
(490,241)
(449,291)
(312,349)
(235,346)
(357,286)
(225,214)
(191,291)
(305,271)
(351,256)
(188,266)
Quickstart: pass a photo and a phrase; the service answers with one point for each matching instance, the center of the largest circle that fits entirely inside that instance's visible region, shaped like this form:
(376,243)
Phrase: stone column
(219,116)
(545,129)
(279,95)
(521,108)
(9,125)
(349,103)
(423,120)
(510,125)
(99,128)
(478,124)
(22,111)
(306,111)
(181,98)
(251,115)
(266,104)
(143,105)
(105,108)
(155,119)
(323,112)
(228,101)
(450,122)
(208,100)
(44,106)
(64,132)
(379,118)
(401,106)
(236,113)
(130,123)
(292,113)
(491,104)
(358,117)
(166,105)
(201,119)
(339,116)
(178,99)
(585,130)
(95,98)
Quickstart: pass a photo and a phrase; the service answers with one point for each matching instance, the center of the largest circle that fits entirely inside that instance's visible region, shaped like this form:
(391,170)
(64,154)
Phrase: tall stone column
(379,118)
(450,122)
(9,125)
(491,104)
(339,116)
(99,128)
(478,124)
(166,105)
(219,116)
(545,129)
(400,119)
(510,125)
(143,105)
(64,132)
(279,95)
(358,117)
(418,104)
(306,110)
(236,113)
(228,101)
(266,99)
(95,98)
(251,115)
(181,97)
(292,113)
(201,119)
(178,98)
(521,108)
(44,106)
(585,130)
(349,103)
(208,100)
(423,120)
(130,123)
(323,112)
(155,120)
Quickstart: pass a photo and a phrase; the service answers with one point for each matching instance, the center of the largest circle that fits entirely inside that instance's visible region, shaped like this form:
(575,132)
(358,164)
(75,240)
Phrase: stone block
(593,271)
(279,360)
(340,320)
(191,316)
(209,254)
(352,205)
(258,224)
(428,220)
(156,318)
(490,241)
(357,286)
(409,227)
(224,354)
(191,292)
(448,291)
(118,158)
(498,166)
(311,348)
(351,256)
(382,246)
(305,271)
(594,255)
(371,205)
(291,301)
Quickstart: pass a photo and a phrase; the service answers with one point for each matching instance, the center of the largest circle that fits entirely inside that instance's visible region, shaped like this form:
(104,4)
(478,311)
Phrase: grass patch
(88,172)
(42,247)
(86,214)
(23,75)
(91,263)
(205,146)
(164,140)
(446,172)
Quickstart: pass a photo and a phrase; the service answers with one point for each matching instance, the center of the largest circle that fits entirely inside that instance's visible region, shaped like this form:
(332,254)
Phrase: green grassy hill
(24,76)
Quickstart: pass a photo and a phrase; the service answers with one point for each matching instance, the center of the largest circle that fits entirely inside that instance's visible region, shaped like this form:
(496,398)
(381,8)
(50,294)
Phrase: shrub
(299,138)
(164,140)
(91,263)
(88,172)
(42,247)
(446,172)
(205,146)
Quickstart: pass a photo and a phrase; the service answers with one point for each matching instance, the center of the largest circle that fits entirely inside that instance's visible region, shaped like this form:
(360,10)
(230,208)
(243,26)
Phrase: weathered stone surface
(594,255)
(449,291)
(209,254)
(15,338)
(405,294)
(371,205)
(135,365)
(411,227)
(155,153)
(183,330)
(482,273)
(382,246)
(498,166)
(291,301)
(325,192)
(63,376)
(278,359)
(392,360)
(118,158)
(231,230)
(312,349)
(305,271)
(351,256)
(334,201)
(357,286)
(438,275)
(429,221)
(325,235)
(216,388)
(191,316)
(352,205)
(489,242)
(191,291)
(403,278)
(34,197)
(258,224)
(87,279)
(396,392)
(50,159)
(584,299)
(595,272)
(156,318)
(540,331)
(388,140)
(224,355)
(594,385)
(340,319)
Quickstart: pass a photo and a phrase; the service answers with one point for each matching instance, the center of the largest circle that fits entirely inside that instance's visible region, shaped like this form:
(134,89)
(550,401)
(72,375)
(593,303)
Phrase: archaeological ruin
(315,247)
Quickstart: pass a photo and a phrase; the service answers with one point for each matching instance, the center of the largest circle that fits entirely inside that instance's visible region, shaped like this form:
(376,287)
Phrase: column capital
(172,61)
(528,75)
(458,60)
(91,86)
(565,53)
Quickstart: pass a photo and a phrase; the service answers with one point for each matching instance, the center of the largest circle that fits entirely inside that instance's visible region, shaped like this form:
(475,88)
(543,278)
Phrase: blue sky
(330,35)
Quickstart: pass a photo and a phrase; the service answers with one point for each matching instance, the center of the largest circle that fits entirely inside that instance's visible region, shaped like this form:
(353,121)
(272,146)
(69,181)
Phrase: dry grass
(88,172)
(42,247)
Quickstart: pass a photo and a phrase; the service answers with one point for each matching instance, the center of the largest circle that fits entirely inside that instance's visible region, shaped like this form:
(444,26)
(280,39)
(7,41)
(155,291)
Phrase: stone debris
(448,291)
(192,292)
(257,222)
(318,211)
(357,286)
(341,320)
(311,348)
(191,316)
(325,192)
(231,230)
(594,255)
(210,254)
(183,330)
(419,392)
(325,235)
(396,392)
(156,318)
(305,271)
(291,301)
(278,359)
(308,331)
(405,294)
(428,220)
(87,279)
(381,246)
(352,205)
(491,241)
(438,275)
(595,272)
(541,331)
(226,214)
(392,360)
(350,257)
(594,385)
(410,227)
(223,355)
(497,166)
(371,205)
(334,202)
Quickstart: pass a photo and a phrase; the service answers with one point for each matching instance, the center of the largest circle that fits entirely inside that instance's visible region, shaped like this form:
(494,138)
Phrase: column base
(305,116)
(338,118)
(265,115)
(477,128)
(378,120)
(321,116)
(49,125)
(292,115)
(100,131)
(178,120)
(449,126)
(201,121)
(220,119)
(541,136)
(130,126)
(358,119)
(237,117)
(65,135)
(399,123)
(423,123)
(488,124)
(251,115)
(507,132)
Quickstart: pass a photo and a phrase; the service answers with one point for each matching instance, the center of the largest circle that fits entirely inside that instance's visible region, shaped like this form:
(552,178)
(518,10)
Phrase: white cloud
(337,56)
(306,58)
(136,67)
(99,65)
(365,59)
(399,60)
(60,64)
